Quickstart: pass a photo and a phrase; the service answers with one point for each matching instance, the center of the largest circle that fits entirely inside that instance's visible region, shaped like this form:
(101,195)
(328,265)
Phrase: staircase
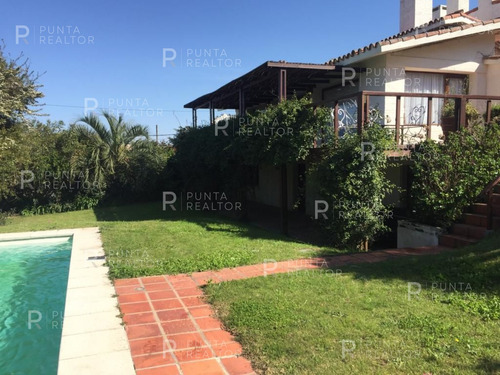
(478,222)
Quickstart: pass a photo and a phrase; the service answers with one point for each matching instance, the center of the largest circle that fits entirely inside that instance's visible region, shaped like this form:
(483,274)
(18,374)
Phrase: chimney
(456,5)
(439,12)
(414,13)
(485,10)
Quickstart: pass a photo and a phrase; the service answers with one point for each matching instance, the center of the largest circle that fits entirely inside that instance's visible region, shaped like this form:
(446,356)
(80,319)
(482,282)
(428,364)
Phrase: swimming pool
(33,283)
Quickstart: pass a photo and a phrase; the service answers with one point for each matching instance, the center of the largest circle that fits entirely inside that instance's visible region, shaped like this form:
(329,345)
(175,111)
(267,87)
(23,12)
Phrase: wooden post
(242,108)
(398,119)
(282,83)
(284,174)
(488,111)
(336,119)
(212,113)
(367,110)
(457,114)
(429,118)
(195,118)
(489,207)
(284,199)
(361,112)
(463,114)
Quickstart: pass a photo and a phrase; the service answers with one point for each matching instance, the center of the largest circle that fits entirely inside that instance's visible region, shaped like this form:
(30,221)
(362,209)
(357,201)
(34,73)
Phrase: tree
(109,147)
(18,90)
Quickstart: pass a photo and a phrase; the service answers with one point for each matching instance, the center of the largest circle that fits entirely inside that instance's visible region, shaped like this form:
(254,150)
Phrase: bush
(495,114)
(471,112)
(450,176)
(3,218)
(43,169)
(142,176)
(356,186)
(208,162)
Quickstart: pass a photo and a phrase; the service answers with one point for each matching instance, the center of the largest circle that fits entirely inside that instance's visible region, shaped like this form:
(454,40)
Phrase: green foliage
(355,185)
(210,160)
(488,308)
(15,154)
(471,112)
(18,90)
(3,218)
(495,113)
(43,170)
(141,176)
(291,127)
(448,109)
(76,168)
(109,146)
(226,157)
(450,176)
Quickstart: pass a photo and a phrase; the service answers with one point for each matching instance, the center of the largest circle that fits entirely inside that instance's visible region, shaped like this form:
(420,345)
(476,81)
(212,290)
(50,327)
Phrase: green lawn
(299,323)
(143,240)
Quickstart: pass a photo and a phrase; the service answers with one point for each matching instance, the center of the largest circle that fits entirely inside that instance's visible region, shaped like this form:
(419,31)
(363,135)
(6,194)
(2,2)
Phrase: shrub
(356,186)
(206,161)
(495,113)
(471,112)
(141,176)
(449,177)
(3,218)
(52,164)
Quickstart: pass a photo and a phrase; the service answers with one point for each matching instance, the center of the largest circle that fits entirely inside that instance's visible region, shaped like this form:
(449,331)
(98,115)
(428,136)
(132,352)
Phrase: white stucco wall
(458,56)
(492,79)
(414,13)
(487,10)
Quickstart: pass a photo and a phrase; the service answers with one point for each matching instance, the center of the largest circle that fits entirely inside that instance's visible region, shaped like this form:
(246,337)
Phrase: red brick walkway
(172,330)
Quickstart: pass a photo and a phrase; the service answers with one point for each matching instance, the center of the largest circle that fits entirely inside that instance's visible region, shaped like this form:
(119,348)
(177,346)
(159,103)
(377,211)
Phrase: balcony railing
(410,125)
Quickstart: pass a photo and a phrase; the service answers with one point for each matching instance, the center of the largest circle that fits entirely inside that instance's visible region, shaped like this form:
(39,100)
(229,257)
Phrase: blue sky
(110,54)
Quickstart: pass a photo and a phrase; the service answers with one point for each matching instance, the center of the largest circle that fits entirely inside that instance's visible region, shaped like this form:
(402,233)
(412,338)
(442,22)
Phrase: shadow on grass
(477,265)
(488,366)
(209,221)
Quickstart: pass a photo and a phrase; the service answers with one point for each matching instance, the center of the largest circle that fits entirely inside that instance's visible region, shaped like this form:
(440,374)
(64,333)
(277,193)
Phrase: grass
(142,240)
(299,323)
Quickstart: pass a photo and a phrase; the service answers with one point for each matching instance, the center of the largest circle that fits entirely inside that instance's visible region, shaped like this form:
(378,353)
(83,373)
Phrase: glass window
(415,109)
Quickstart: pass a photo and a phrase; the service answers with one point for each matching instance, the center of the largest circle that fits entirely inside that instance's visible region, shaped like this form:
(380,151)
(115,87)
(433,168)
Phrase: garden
(425,314)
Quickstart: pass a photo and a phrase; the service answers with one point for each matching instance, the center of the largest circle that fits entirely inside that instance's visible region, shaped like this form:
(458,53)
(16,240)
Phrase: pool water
(33,283)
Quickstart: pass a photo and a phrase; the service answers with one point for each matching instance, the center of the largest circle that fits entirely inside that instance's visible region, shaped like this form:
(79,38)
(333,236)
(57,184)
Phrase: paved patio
(172,330)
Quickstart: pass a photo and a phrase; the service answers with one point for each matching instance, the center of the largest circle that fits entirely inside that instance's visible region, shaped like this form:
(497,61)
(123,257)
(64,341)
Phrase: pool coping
(93,338)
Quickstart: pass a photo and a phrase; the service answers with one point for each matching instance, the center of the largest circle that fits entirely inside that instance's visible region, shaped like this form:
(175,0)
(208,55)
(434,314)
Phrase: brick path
(172,330)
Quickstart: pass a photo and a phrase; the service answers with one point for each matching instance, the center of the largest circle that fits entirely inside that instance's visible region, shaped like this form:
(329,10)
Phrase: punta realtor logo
(52,35)
(209,58)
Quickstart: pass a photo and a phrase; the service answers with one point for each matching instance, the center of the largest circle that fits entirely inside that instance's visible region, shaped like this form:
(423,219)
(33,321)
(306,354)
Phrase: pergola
(270,82)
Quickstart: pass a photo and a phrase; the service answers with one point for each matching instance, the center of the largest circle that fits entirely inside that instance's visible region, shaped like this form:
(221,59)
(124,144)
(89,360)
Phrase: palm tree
(109,147)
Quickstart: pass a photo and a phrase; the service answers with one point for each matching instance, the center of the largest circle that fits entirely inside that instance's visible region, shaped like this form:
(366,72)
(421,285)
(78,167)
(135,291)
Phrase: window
(415,109)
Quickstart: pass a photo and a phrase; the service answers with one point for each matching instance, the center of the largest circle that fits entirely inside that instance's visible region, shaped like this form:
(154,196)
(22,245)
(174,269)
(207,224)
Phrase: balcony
(412,117)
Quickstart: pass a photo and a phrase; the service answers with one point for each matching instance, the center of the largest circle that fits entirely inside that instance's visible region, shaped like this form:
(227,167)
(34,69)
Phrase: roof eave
(418,42)
(350,60)
(200,102)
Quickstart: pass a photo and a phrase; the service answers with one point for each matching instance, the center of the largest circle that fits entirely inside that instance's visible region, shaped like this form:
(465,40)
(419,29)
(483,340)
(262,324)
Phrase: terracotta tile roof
(420,32)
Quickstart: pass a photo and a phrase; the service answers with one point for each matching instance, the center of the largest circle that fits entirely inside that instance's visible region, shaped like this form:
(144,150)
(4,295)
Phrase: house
(442,55)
